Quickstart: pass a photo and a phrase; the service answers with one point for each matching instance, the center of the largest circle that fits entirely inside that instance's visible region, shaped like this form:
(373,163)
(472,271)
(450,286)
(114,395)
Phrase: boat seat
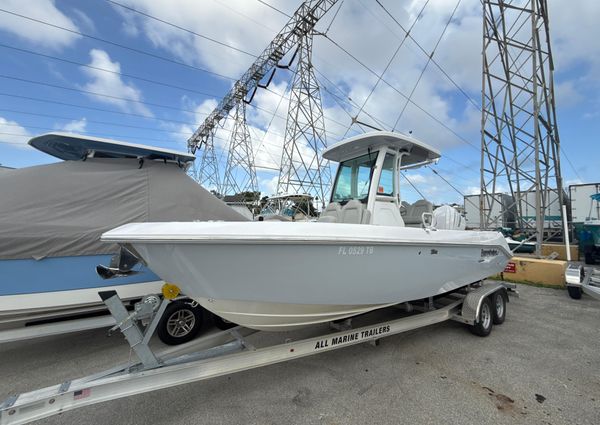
(414,213)
(403,208)
(331,214)
(354,212)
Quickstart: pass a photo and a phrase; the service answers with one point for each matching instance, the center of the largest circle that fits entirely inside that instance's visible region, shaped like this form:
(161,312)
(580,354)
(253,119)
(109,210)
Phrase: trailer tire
(180,323)
(575,292)
(499,307)
(483,325)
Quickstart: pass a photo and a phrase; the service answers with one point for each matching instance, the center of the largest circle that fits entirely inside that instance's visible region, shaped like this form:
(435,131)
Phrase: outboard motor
(121,264)
(448,218)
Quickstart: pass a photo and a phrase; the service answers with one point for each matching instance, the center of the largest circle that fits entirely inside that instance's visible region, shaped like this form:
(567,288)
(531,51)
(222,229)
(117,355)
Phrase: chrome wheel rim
(486,316)
(181,323)
(499,306)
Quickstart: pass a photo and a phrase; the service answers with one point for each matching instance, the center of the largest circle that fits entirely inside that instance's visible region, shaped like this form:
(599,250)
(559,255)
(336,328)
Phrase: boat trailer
(580,280)
(226,352)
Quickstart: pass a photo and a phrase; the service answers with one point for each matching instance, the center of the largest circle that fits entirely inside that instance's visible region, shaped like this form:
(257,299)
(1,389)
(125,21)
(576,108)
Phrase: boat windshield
(354,179)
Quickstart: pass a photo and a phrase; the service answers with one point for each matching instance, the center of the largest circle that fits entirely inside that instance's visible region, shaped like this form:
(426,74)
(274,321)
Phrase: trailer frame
(582,280)
(222,353)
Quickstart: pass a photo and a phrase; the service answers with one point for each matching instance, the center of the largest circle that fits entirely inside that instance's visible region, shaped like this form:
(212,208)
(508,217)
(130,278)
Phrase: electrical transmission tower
(208,173)
(519,138)
(303,169)
(289,38)
(240,173)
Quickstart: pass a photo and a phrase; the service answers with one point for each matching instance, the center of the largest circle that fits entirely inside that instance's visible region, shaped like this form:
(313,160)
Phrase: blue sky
(92,101)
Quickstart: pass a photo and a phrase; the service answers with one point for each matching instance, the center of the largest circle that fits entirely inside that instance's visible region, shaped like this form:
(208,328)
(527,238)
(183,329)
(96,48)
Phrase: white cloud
(252,26)
(14,134)
(77,126)
(567,93)
(268,186)
(111,84)
(34,32)
(236,22)
(84,20)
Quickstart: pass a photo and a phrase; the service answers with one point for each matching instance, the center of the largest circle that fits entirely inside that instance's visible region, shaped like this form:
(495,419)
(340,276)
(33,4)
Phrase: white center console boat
(358,257)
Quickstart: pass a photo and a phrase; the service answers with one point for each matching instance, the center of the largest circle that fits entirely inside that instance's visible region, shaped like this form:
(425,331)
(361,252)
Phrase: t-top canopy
(418,152)
(76,147)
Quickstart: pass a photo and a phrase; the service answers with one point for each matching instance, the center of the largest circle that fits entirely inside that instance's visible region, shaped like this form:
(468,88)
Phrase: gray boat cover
(62,209)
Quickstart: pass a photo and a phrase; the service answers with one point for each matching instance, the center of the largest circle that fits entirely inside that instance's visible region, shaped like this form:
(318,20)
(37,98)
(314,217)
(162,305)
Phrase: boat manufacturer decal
(489,253)
(352,337)
(355,250)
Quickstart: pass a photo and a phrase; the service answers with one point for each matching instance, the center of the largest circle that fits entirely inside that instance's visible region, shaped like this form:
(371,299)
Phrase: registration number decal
(355,250)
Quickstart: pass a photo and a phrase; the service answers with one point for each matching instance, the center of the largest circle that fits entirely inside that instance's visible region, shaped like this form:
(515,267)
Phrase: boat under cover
(52,216)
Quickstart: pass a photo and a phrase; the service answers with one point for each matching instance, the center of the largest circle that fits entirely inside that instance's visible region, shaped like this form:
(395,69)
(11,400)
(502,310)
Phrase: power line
(108,96)
(413,186)
(122,98)
(122,46)
(112,136)
(125,125)
(347,99)
(571,164)
(147,15)
(429,59)
(59,117)
(274,8)
(400,93)
(379,77)
(237,12)
(56,102)
(120,73)
(469,98)
(136,77)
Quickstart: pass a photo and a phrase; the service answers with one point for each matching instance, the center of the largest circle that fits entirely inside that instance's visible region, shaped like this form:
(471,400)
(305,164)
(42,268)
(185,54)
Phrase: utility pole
(519,134)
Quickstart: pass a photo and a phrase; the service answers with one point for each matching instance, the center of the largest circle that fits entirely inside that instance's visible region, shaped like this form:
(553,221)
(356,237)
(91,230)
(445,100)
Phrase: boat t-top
(360,254)
(288,207)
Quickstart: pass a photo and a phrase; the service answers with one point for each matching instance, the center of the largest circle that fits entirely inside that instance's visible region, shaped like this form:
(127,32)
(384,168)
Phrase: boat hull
(284,278)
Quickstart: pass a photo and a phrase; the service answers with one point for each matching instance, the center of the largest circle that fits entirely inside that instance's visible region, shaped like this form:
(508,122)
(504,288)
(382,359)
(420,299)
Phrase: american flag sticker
(78,395)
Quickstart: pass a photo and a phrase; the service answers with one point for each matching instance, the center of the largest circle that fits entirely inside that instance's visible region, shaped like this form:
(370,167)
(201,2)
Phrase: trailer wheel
(180,323)
(222,323)
(499,307)
(575,292)
(483,326)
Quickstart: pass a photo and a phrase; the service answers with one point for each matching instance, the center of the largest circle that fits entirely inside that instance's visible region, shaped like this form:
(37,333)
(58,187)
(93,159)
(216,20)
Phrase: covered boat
(52,216)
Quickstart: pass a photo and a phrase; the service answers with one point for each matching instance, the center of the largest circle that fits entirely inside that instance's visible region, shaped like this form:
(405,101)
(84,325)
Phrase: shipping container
(582,208)
(553,215)
(502,212)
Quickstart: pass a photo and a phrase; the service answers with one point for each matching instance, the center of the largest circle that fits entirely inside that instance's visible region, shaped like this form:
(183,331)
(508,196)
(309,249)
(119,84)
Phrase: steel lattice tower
(240,173)
(208,173)
(303,169)
(289,38)
(519,137)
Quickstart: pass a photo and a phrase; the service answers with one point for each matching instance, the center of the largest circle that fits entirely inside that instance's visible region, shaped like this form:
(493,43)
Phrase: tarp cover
(62,209)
